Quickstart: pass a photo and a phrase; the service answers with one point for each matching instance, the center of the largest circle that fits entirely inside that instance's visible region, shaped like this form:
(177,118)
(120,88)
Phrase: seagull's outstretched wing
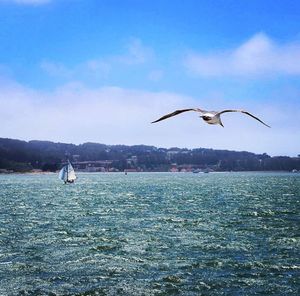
(176,113)
(245,112)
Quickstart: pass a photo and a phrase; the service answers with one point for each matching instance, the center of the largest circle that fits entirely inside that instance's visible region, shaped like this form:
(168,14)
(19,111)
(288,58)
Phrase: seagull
(210,117)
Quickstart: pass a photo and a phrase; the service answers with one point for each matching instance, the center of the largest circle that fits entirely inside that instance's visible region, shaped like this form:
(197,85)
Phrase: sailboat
(67,173)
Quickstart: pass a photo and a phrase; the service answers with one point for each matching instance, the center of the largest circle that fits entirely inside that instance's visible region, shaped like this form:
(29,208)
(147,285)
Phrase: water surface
(150,234)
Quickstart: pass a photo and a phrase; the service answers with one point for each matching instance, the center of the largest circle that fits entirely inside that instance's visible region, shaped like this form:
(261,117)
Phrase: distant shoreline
(79,172)
(44,156)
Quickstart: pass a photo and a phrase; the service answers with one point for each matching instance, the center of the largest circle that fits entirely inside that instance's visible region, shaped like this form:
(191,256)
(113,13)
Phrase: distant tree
(50,167)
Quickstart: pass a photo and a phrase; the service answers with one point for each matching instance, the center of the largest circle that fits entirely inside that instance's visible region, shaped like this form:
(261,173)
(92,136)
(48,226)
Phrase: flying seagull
(210,117)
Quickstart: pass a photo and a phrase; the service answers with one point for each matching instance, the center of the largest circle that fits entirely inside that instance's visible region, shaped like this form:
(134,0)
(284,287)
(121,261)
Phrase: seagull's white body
(210,117)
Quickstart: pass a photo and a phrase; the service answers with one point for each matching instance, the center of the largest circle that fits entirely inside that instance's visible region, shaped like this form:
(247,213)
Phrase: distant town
(43,156)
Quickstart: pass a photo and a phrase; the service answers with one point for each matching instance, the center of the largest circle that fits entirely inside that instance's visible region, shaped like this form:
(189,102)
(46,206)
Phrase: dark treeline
(21,156)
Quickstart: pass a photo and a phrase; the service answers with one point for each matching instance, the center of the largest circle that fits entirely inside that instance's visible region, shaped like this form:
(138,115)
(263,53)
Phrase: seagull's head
(205,117)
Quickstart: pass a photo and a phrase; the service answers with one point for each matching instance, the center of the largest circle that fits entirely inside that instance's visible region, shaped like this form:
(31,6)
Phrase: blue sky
(108,68)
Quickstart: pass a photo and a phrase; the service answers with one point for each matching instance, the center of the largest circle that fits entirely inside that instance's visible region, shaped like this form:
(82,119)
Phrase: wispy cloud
(136,54)
(155,75)
(97,66)
(90,68)
(76,113)
(259,56)
(27,2)
(56,69)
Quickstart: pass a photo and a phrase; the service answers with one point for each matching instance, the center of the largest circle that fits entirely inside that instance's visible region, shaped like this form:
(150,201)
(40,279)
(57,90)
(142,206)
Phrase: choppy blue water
(150,234)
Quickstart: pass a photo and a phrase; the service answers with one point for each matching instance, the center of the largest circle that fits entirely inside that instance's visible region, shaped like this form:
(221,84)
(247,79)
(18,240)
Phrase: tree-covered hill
(22,156)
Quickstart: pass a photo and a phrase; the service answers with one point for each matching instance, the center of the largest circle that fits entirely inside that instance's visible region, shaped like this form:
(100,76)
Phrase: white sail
(67,173)
(63,173)
(71,173)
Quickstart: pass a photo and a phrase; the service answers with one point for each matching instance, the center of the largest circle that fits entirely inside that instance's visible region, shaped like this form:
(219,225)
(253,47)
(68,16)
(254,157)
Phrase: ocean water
(150,234)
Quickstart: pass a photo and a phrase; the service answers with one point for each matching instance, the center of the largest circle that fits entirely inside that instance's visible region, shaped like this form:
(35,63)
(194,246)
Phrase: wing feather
(245,112)
(175,113)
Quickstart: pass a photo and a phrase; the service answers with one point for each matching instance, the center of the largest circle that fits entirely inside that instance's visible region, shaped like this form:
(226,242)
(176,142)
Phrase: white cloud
(27,2)
(259,56)
(75,113)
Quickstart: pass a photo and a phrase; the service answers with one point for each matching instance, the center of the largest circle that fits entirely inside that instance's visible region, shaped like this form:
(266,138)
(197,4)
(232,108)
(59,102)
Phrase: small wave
(172,279)
(104,248)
